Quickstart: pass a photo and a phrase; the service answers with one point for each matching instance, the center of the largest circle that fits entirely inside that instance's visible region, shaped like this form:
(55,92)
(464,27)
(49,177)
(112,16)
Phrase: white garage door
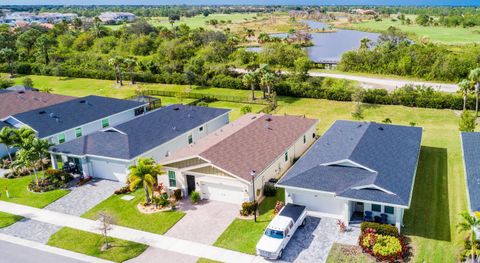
(109,170)
(223,192)
(322,204)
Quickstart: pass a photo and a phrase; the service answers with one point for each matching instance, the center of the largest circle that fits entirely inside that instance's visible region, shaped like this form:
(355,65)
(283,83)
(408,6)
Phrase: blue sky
(241,2)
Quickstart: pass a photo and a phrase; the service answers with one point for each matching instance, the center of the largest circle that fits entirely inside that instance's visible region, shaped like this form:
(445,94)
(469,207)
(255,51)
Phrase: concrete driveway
(204,222)
(313,242)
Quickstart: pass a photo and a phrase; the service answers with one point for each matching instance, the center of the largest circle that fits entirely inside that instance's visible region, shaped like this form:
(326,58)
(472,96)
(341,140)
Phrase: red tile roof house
(220,165)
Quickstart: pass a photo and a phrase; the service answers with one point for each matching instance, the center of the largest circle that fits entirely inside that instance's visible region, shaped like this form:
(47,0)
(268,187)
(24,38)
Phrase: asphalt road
(10,252)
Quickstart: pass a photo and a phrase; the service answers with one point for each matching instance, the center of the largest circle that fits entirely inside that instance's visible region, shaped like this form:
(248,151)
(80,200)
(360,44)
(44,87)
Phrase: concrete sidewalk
(154,240)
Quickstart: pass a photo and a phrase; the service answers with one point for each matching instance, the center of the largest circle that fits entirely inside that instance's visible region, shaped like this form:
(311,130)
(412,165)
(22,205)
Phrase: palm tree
(365,43)
(7,138)
(8,55)
(474,76)
(130,63)
(26,158)
(22,137)
(469,224)
(267,80)
(249,80)
(465,86)
(145,172)
(117,62)
(40,147)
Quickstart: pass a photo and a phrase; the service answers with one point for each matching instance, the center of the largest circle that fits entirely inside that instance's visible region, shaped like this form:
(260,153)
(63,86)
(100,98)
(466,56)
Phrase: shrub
(202,104)
(124,190)
(269,190)
(195,197)
(386,246)
(246,109)
(382,229)
(278,206)
(248,208)
(467,122)
(177,194)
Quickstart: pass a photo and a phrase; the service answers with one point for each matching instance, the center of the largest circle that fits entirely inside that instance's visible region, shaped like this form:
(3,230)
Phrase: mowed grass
(340,253)
(439,193)
(18,192)
(438,34)
(199,20)
(243,234)
(8,219)
(126,214)
(235,107)
(90,244)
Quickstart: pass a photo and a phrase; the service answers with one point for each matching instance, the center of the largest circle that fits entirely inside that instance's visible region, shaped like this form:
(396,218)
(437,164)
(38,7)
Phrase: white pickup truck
(280,230)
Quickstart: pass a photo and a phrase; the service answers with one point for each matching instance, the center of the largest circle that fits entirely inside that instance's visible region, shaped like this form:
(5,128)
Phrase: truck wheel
(280,254)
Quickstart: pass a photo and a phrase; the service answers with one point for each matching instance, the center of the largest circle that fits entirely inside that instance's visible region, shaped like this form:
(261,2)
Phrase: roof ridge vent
(42,112)
(176,108)
(51,115)
(83,101)
(381,128)
(174,128)
(269,119)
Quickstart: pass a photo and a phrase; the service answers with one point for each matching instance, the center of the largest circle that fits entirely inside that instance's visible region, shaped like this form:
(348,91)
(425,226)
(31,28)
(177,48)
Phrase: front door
(359,207)
(190,183)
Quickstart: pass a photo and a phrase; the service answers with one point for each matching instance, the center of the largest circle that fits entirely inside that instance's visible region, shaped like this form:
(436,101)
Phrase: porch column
(347,212)
(53,159)
(399,218)
(83,162)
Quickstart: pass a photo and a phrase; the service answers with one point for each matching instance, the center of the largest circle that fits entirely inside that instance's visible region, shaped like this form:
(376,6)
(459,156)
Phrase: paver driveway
(77,202)
(313,242)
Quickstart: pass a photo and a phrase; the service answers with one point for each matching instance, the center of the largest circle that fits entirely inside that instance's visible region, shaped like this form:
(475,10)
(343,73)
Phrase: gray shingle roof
(388,153)
(471,158)
(73,113)
(144,133)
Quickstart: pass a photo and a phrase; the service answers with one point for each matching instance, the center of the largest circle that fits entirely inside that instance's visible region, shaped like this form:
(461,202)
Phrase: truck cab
(279,232)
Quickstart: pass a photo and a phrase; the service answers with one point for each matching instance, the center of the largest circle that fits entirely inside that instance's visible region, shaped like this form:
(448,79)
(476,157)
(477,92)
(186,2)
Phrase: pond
(329,47)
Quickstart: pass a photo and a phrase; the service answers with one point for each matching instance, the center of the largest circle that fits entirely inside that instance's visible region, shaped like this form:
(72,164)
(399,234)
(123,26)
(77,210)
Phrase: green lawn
(348,254)
(19,193)
(126,214)
(90,244)
(242,234)
(8,219)
(439,34)
(235,107)
(199,21)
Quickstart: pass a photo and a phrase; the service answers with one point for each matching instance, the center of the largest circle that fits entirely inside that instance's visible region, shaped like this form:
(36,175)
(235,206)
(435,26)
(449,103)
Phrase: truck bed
(293,211)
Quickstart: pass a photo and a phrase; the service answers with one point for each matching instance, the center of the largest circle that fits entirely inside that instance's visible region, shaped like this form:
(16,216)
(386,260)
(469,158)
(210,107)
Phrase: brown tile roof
(252,142)
(14,102)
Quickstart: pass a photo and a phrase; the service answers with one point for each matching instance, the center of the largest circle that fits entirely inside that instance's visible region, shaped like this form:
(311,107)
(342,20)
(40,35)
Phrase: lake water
(329,47)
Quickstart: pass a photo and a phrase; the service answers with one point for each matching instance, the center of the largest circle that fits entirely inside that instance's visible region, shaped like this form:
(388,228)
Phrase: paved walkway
(313,242)
(163,242)
(77,202)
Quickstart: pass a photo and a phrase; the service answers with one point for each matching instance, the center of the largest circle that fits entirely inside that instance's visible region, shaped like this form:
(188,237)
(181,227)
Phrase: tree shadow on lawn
(429,213)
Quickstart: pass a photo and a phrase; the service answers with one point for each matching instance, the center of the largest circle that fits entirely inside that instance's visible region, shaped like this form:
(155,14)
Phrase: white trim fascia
(212,176)
(416,168)
(23,124)
(185,133)
(288,148)
(465,173)
(372,186)
(371,202)
(286,187)
(89,155)
(165,164)
(355,164)
(188,168)
(112,129)
(210,164)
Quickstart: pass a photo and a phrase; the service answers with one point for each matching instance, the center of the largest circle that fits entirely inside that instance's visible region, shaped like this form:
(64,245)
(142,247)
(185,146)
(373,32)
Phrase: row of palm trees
(468,85)
(32,154)
(263,77)
(118,63)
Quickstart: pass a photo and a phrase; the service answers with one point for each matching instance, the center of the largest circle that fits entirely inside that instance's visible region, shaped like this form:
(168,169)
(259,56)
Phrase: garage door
(316,202)
(223,192)
(109,170)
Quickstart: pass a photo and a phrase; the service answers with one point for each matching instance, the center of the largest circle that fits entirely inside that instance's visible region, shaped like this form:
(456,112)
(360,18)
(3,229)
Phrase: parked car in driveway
(280,231)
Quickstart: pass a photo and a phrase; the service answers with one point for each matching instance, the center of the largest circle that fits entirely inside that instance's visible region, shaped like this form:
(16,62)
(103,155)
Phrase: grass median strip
(90,244)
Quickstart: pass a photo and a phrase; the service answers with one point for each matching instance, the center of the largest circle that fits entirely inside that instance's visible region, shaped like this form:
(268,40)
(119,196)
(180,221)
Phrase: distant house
(220,166)
(158,134)
(357,170)
(116,17)
(73,118)
(26,18)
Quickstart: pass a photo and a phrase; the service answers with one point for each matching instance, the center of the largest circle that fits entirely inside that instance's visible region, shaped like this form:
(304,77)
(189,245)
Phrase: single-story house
(157,134)
(471,160)
(65,121)
(220,166)
(357,168)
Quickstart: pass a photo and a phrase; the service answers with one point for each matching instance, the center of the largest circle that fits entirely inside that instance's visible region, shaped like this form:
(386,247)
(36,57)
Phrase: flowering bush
(383,247)
(278,206)
(386,246)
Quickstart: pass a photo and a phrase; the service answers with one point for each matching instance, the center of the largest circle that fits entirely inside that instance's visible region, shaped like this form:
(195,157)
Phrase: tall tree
(267,80)
(144,173)
(250,80)
(365,43)
(469,224)
(22,136)
(117,63)
(44,43)
(474,76)
(130,63)
(7,138)
(465,86)
(40,147)
(8,55)
(27,39)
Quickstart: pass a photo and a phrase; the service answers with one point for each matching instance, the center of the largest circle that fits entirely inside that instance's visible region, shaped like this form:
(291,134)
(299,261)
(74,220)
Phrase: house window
(190,139)
(172,180)
(304,138)
(389,210)
(286,156)
(61,138)
(78,132)
(105,123)
(201,128)
(376,208)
